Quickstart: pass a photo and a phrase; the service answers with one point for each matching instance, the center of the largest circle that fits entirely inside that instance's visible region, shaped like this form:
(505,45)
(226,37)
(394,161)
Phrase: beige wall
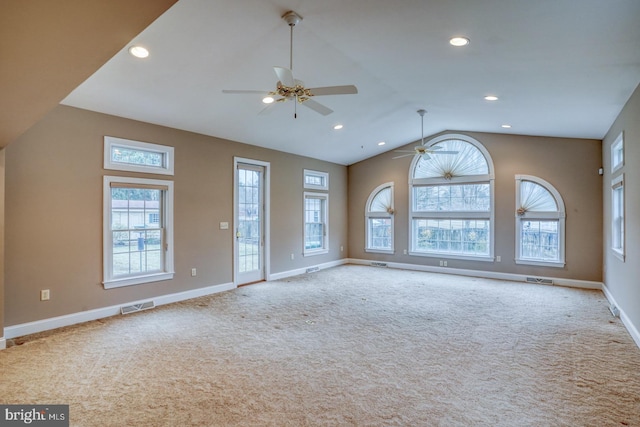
(570,165)
(621,277)
(54,212)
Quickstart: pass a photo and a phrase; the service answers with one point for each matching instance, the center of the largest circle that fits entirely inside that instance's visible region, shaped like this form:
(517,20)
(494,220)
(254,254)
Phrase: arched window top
(381,199)
(470,159)
(537,195)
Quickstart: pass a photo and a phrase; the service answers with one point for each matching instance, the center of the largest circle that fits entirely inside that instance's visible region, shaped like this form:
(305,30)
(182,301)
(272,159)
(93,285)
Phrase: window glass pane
(136,156)
(380,233)
(539,240)
(455,198)
(535,198)
(136,226)
(456,237)
(618,218)
(314,227)
(469,160)
(382,201)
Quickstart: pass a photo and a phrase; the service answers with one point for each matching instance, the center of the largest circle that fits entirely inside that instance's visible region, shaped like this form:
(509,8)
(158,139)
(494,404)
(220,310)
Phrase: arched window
(379,219)
(540,222)
(451,200)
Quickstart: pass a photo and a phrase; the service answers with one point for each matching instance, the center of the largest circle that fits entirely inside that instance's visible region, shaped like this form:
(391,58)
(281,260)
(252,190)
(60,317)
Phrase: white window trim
(560,215)
(471,179)
(616,183)
(325,238)
(323,175)
(110,142)
(369,214)
(618,144)
(109,282)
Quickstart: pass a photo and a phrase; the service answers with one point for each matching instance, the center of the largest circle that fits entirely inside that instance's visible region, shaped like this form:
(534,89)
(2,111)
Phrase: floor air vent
(137,307)
(378,264)
(539,280)
(312,269)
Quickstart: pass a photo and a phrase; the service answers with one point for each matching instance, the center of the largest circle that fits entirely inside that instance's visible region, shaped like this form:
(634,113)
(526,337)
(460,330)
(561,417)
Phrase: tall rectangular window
(617,216)
(315,223)
(138,231)
(617,153)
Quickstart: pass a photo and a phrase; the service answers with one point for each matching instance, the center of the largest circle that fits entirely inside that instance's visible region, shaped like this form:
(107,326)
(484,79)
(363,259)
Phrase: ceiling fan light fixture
(138,51)
(459,41)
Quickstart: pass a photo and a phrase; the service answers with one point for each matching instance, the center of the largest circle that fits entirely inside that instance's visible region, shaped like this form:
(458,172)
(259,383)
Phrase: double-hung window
(617,214)
(379,219)
(451,200)
(138,231)
(540,223)
(315,223)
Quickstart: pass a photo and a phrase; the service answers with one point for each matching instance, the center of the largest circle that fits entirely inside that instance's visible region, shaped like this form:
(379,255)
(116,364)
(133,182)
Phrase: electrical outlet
(445,263)
(441,263)
(45,295)
(341,248)
(292,256)
(405,251)
(194,272)
(498,258)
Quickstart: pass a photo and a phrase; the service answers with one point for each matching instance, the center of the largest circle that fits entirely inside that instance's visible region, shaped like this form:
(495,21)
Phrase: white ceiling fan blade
(285,76)
(443,152)
(317,107)
(405,151)
(333,90)
(404,155)
(262,92)
(425,156)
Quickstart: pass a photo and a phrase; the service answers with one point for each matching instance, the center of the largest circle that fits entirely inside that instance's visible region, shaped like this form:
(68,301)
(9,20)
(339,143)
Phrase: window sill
(316,252)
(618,254)
(443,255)
(557,264)
(138,280)
(380,251)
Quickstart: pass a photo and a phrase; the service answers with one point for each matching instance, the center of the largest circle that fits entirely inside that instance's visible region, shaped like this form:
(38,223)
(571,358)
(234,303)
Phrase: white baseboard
(298,271)
(633,330)
(3,343)
(583,284)
(99,313)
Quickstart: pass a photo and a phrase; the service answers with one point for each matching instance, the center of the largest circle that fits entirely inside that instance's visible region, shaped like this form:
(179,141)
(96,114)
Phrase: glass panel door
(249,244)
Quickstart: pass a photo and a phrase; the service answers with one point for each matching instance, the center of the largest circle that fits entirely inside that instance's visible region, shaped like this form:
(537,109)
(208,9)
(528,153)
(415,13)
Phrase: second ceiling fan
(290,89)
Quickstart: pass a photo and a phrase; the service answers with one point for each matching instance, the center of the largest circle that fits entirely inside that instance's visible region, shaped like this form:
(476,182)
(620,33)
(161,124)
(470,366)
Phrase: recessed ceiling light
(491,98)
(459,41)
(506,126)
(138,51)
(268,99)
(381,143)
(338,127)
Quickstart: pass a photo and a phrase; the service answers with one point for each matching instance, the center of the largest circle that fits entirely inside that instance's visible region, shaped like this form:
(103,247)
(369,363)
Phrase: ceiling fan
(291,89)
(421,149)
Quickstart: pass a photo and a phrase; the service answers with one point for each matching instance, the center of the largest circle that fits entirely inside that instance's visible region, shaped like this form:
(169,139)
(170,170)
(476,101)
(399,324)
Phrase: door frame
(266,219)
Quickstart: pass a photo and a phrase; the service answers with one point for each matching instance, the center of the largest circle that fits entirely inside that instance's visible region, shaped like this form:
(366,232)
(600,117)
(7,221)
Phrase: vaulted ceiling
(558,67)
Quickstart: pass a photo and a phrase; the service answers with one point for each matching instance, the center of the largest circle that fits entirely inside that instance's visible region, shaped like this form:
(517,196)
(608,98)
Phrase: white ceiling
(560,67)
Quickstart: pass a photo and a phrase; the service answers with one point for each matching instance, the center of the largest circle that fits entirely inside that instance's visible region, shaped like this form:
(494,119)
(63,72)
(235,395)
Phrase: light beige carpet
(349,346)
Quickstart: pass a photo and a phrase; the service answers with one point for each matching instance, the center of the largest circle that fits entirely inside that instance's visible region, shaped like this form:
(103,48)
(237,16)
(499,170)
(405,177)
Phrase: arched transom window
(451,200)
(540,222)
(379,219)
